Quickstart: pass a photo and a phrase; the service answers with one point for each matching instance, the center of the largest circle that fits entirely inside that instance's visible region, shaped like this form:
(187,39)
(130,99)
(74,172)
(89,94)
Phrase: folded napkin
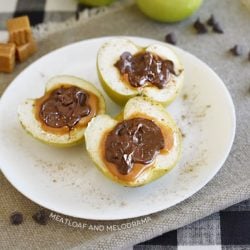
(229,186)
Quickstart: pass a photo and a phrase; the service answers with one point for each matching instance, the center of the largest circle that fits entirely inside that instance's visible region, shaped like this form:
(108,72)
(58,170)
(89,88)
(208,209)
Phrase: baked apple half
(127,70)
(143,145)
(62,114)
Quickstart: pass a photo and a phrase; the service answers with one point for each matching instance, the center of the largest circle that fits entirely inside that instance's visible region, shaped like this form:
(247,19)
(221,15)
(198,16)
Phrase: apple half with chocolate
(137,149)
(62,114)
(127,70)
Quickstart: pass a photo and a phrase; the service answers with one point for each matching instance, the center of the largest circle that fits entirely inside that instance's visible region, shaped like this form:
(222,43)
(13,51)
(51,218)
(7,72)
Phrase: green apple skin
(96,2)
(168,10)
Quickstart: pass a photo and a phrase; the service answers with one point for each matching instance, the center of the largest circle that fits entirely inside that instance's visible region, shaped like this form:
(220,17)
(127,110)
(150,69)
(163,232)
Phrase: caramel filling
(65,108)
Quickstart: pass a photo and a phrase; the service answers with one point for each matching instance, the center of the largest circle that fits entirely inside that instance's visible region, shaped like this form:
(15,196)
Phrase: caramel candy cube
(26,50)
(7,57)
(19,30)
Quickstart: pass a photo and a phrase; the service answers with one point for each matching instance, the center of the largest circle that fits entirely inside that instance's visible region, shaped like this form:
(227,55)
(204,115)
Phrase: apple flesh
(96,2)
(168,10)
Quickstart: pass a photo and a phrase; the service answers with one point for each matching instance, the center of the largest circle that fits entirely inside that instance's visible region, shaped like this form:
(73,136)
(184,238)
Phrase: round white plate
(66,181)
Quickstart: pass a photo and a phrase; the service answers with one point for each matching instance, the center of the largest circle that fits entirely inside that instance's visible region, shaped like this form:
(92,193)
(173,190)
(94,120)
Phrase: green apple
(139,107)
(118,89)
(168,10)
(56,137)
(96,2)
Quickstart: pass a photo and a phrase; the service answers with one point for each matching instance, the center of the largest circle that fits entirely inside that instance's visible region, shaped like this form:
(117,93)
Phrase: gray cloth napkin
(229,186)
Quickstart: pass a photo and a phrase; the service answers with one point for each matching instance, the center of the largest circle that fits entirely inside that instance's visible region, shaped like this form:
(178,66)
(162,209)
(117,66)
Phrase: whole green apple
(96,2)
(168,10)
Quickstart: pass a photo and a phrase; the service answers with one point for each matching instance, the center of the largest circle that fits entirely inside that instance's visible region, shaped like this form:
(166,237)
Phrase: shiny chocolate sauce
(145,67)
(137,140)
(65,107)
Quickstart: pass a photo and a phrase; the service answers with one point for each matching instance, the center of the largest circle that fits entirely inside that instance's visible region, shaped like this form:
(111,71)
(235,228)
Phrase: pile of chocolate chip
(41,217)
(204,27)
(201,28)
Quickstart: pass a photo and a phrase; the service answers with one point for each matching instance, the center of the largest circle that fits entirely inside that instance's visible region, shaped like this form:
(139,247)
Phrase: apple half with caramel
(62,114)
(141,146)
(127,70)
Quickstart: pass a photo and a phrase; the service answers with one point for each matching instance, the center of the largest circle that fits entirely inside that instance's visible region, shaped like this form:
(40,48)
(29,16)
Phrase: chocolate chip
(126,55)
(81,98)
(16,218)
(236,50)
(217,28)
(171,38)
(200,27)
(211,21)
(85,111)
(41,217)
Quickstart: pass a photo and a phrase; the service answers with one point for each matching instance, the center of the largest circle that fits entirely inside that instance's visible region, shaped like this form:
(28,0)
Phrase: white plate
(66,181)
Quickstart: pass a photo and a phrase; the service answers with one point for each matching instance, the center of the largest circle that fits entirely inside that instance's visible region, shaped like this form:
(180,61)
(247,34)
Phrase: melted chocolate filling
(65,107)
(137,140)
(145,67)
